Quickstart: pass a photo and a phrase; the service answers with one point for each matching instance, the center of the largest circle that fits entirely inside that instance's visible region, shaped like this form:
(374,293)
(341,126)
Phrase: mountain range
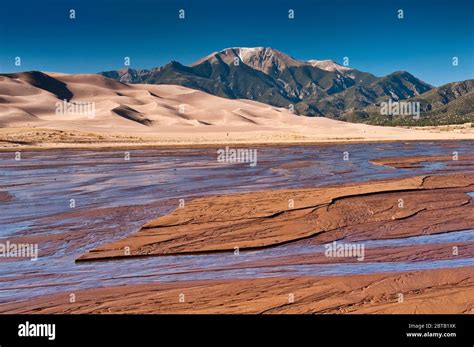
(311,88)
(452,103)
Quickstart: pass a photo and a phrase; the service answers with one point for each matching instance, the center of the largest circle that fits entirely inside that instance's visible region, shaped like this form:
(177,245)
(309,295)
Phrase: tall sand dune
(31,99)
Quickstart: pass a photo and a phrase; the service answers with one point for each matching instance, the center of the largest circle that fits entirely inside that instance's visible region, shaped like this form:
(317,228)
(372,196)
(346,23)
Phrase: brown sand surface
(430,291)
(260,219)
(5,196)
(417,161)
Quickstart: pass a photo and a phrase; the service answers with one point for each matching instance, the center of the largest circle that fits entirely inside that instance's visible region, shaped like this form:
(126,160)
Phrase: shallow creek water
(114,197)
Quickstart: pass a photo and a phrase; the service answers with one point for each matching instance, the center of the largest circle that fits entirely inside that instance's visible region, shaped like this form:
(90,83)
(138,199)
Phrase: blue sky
(150,33)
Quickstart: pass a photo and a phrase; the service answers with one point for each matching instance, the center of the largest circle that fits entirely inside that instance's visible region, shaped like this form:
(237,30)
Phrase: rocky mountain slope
(313,88)
(452,103)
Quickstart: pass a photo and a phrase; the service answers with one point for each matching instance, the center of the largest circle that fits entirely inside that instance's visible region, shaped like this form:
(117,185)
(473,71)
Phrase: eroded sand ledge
(261,219)
(417,161)
(432,291)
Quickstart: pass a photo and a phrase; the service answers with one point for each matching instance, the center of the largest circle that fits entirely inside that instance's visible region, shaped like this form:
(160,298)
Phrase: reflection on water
(132,192)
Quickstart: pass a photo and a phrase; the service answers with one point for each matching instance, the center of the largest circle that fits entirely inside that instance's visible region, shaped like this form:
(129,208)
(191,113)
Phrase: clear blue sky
(367,31)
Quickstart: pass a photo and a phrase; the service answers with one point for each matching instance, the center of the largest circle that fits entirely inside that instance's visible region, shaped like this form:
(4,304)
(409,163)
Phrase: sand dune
(30,100)
(145,106)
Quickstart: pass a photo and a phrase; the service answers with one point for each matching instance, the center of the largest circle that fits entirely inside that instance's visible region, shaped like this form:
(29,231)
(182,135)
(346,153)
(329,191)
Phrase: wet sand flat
(433,291)
(280,246)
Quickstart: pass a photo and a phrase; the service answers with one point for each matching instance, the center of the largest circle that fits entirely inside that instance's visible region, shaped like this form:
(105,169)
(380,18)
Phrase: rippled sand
(115,198)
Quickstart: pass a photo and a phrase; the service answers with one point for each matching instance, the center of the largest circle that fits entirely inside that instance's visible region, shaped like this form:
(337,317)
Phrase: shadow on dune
(130,114)
(45,82)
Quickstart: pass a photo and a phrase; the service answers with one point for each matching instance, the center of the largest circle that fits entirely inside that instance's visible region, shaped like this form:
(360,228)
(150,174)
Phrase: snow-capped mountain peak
(265,59)
(328,65)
